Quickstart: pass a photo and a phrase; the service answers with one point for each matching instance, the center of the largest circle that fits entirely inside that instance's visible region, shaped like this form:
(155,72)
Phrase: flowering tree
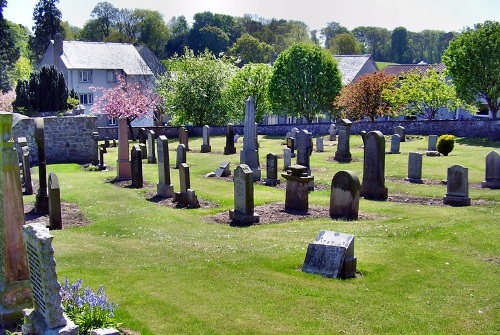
(6,100)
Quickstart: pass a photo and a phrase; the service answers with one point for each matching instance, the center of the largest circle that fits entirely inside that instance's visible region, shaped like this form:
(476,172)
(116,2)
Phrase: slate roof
(399,70)
(104,56)
(350,65)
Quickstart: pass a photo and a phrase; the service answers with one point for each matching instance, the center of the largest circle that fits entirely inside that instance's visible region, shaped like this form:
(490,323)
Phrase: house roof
(102,56)
(351,65)
(399,70)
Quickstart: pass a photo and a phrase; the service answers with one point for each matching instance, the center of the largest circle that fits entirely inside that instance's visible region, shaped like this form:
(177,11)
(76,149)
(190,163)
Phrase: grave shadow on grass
(478,142)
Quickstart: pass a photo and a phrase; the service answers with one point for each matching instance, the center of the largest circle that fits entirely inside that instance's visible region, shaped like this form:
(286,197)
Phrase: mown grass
(422,269)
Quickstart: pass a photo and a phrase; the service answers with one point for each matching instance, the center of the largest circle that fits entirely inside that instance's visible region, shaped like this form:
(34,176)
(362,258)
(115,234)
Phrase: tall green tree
(250,50)
(344,44)
(400,47)
(304,82)
(473,62)
(179,29)
(330,31)
(9,52)
(152,30)
(106,16)
(47,19)
(376,41)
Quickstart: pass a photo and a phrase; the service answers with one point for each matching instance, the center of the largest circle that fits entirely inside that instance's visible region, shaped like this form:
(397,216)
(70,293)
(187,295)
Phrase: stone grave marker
(343,153)
(457,187)
(363,135)
(229,149)
(287,135)
(42,199)
(331,255)
(136,163)
(492,178)
(48,316)
(344,196)
(395,144)
(103,146)
(400,130)
(250,155)
(243,212)
(102,166)
(95,152)
(332,131)
(181,155)
(124,167)
(224,170)
(183,137)
(287,158)
(294,132)
(164,188)
(415,168)
(144,150)
(297,189)
(205,147)
(55,217)
(28,185)
(235,138)
(143,136)
(106,142)
(431,146)
(319,144)
(271,170)
(304,150)
(186,197)
(151,147)
(373,186)
(290,144)
(20,142)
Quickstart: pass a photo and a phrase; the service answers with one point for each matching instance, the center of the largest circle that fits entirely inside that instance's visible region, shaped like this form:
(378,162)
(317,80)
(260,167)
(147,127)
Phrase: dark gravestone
(164,188)
(319,144)
(136,162)
(243,212)
(28,185)
(224,170)
(249,155)
(395,144)
(373,186)
(297,190)
(42,199)
(457,186)
(101,158)
(304,151)
(492,178)
(343,153)
(332,131)
(95,152)
(55,217)
(144,150)
(229,149)
(143,136)
(331,255)
(271,170)
(344,196)
(290,144)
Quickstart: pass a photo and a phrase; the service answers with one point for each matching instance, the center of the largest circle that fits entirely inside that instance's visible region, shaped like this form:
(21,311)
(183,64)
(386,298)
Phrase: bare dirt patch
(71,215)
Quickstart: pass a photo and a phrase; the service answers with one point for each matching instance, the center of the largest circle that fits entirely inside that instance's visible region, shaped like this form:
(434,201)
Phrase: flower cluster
(6,100)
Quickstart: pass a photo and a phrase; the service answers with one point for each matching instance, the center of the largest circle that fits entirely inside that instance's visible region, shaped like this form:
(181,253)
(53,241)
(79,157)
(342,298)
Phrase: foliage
(47,19)
(445,144)
(87,309)
(330,31)
(152,30)
(22,69)
(251,80)
(400,48)
(473,61)
(105,16)
(179,28)
(344,44)
(376,41)
(250,50)
(423,95)
(9,53)
(304,82)
(363,98)
(6,100)
(192,91)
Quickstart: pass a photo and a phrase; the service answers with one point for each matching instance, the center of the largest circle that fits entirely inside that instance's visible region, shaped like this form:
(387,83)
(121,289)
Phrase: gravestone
(236,137)
(103,146)
(332,131)
(55,217)
(15,293)
(290,144)
(95,152)
(102,166)
(28,185)
(181,155)
(229,149)
(373,186)
(106,142)
(143,136)
(48,316)
(144,150)
(151,147)
(304,150)
(400,130)
(319,144)
(250,155)
(294,132)
(431,146)
(331,255)
(124,170)
(42,199)
(186,197)
(343,153)
(414,168)
(492,178)
(205,147)
(271,170)
(19,143)
(297,189)
(457,186)
(243,212)
(363,135)
(344,195)
(224,170)
(164,188)
(395,144)
(136,162)
(287,135)
(287,158)
(183,137)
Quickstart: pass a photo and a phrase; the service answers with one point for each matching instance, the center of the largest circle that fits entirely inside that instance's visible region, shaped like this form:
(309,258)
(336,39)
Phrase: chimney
(58,49)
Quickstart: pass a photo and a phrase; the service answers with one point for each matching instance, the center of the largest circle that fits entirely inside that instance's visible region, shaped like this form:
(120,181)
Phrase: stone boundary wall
(488,128)
(68,139)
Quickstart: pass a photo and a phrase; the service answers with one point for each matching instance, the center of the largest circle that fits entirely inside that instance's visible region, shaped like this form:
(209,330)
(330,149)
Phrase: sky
(414,15)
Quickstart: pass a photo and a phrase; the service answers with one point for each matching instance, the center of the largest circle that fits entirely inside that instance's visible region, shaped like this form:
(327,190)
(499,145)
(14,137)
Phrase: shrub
(445,144)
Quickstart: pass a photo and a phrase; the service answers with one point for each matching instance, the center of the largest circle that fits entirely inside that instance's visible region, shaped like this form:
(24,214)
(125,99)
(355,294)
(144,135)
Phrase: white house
(95,64)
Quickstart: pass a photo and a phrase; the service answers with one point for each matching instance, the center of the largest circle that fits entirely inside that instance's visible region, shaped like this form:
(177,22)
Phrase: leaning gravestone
(205,147)
(48,316)
(400,130)
(271,170)
(229,149)
(151,147)
(431,146)
(414,167)
(42,199)
(373,186)
(457,186)
(164,188)
(343,153)
(136,162)
(344,196)
(244,211)
(15,293)
(224,170)
(395,144)
(332,131)
(55,217)
(186,197)
(250,155)
(124,166)
(331,255)
(297,188)
(181,155)
(492,179)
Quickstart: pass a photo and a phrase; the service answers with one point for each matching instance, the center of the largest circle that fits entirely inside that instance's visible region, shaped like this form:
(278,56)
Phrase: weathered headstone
(243,212)
(205,147)
(15,293)
(271,170)
(287,158)
(395,144)
(331,255)
(344,196)
(151,147)
(124,167)
(373,186)
(294,132)
(183,137)
(19,143)
(55,217)
(224,170)
(95,152)
(332,131)
(492,178)
(414,167)
(297,190)
(249,155)
(180,155)
(400,130)
(235,138)
(319,144)
(136,162)
(186,197)
(28,185)
(431,146)
(290,144)
(229,149)
(144,150)
(343,153)
(457,186)
(164,188)
(304,150)
(48,316)
(102,166)
(42,199)
(143,136)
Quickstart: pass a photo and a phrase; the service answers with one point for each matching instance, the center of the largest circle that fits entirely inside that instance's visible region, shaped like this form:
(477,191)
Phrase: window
(86,99)
(111,76)
(85,76)
(112,121)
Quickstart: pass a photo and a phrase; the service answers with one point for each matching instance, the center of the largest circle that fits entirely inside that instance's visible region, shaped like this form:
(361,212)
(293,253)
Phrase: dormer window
(85,76)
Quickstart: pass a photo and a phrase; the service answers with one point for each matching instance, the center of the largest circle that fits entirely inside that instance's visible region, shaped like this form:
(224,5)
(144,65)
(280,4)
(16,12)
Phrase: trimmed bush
(445,144)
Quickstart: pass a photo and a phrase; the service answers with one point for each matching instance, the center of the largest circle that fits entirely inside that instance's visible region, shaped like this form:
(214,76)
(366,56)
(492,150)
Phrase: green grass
(423,269)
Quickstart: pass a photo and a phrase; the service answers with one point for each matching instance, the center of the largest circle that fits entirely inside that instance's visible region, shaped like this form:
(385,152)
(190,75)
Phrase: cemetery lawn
(423,268)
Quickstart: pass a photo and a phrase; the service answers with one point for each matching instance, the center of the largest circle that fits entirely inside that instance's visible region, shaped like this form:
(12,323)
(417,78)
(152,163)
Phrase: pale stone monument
(250,155)
(332,131)
(395,144)
(136,162)
(42,199)
(164,188)
(287,158)
(431,146)
(344,196)
(124,167)
(244,209)
(401,131)
(180,155)
(205,147)
(151,147)
(186,197)
(414,168)
(229,149)
(55,216)
(319,144)
(457,187)
(271,170)
(492,178)
(343,153)
(373,186)
(293,133)
(297,189)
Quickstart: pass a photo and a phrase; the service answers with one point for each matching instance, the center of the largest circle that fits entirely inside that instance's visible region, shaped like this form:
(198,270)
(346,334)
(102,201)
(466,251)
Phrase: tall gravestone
(271,170)
(414,167)
(186,197)
(344,196)
(229,149)
(124,170)
(304,151)
(290,144)
(287,158)
(244,210)
(250,155)
(332,131)
(28,185)
(395,144)
(293,133)
(373,186)
(205,147)
(42,199)
(55,216)
(400,130)
(343,153)
(180,155)
(164,188)
(136,163)
(95,152)
(151,147)
(183,137)
(102,166)
(15,293)
(492,178)
(457,186)
(432,146)
(143,137)
(297,188)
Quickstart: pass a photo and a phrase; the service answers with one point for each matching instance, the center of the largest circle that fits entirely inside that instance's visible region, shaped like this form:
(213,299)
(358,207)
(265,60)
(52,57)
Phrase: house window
(86,99)
(111,76)
(112,121)
(85,76)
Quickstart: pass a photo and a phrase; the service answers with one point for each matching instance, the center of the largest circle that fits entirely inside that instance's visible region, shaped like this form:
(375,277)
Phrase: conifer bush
(445,144)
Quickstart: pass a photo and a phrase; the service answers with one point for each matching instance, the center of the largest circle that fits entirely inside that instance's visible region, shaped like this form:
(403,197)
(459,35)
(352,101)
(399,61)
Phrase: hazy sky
(415,15)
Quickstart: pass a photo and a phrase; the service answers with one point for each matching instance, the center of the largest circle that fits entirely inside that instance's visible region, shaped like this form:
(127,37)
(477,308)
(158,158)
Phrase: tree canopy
(47,19)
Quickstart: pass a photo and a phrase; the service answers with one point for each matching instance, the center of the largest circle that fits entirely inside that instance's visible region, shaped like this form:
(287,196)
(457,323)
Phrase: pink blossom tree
(6,100)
